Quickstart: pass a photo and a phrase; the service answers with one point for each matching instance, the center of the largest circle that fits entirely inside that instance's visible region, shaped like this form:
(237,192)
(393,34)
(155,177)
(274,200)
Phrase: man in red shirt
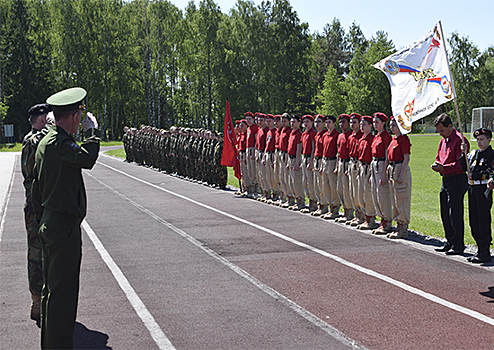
(252,129)
(308,149)
(318,166)
(268,158)
(284,173)
(262,133)
(343,183)
(454,184)
(380,193)
(329,169)
(294,151)
(364,186)
(353,140)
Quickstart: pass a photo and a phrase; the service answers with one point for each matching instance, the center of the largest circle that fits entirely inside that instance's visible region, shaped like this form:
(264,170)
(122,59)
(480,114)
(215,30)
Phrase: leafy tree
(333,95)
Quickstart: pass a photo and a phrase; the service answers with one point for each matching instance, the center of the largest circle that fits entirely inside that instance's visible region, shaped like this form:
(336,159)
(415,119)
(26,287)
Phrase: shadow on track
(87,339)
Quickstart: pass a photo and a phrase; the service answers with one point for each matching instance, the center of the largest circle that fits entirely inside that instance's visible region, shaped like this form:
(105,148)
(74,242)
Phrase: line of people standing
(366,175)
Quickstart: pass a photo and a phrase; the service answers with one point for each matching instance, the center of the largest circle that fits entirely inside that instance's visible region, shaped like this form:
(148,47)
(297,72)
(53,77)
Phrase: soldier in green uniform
(38,120)
(59,201)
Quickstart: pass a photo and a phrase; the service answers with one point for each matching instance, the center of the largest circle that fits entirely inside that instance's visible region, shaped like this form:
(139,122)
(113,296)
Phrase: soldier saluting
(59,202)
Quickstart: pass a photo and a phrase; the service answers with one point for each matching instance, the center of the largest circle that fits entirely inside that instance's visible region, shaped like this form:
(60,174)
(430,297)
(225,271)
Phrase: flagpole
(454,94)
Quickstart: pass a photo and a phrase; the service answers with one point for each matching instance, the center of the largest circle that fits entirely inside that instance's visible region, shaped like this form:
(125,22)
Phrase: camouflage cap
(68,100)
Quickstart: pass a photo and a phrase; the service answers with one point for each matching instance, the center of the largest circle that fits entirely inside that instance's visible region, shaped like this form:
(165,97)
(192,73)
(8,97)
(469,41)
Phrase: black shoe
(444,248)
(454,252)
(480,260)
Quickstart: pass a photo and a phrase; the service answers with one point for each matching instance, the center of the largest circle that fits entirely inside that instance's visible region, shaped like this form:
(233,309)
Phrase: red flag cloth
(230,156)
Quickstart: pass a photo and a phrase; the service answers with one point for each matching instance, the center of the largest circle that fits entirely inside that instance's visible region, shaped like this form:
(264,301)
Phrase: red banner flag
(230,156)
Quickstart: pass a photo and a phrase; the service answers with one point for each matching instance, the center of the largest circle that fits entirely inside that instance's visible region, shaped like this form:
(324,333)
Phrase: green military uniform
(59,200)
(34,255)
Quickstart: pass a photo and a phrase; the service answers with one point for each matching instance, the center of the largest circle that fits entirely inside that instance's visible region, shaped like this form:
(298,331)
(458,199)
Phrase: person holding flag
(229,156)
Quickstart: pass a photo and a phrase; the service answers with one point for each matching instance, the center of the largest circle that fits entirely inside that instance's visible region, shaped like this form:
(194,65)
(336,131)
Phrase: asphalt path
(169,263)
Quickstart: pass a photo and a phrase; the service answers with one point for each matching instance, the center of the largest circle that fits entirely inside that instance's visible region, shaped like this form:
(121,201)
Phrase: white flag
(420,78)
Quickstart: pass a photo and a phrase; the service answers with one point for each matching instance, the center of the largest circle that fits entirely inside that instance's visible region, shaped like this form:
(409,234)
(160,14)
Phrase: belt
(478,182)
(270,152)
(318,158)
(354,159)
(284,152)
(307,155)
(292,157)
(260,151)
(345,160)
(365,163)
(329,158)
(395,162)
(242,151)
(379,159)
(451,175)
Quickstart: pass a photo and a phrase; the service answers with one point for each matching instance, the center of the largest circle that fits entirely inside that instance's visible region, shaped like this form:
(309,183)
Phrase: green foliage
(148,62)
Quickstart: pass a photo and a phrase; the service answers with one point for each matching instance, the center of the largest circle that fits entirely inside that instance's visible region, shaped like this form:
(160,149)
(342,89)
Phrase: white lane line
(156,333)
(335,333)
(428,296)
(3,209)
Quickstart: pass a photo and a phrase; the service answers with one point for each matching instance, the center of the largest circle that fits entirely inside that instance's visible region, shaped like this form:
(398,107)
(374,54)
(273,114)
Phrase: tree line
(148,62)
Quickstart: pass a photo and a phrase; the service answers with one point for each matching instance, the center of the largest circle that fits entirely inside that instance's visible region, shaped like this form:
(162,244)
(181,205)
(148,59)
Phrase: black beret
(330,117)
(296,116)
(483,131)
(39,109)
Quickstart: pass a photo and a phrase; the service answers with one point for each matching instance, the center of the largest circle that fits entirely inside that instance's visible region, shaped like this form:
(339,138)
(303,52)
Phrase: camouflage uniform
(34,255)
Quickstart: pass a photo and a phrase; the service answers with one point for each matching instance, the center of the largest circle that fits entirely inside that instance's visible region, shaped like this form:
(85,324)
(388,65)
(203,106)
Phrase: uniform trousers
(269,171)
(277,170)
(34,250)
(245,172)
(330,181)
(252,165)
(365,191)
(343,185)
(318,180)
(261,170)
(353,182)
(62,251)
(308,178)
(381,194)
(295,180)
(285,174)
(451,201)
(401,193)
(479,213)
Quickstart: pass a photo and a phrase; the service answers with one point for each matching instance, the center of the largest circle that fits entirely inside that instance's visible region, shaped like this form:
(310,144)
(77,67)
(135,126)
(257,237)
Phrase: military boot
(318,211)
(359,218)
(335,213)
(35,307)
(311,209)
(401,232)
(274,197)
(290,202)
(300,204)
(384,228)
(344,218)
(369,224)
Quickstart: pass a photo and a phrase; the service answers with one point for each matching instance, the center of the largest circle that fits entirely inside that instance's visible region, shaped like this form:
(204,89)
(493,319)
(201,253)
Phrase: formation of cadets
(189,153)
(352,169)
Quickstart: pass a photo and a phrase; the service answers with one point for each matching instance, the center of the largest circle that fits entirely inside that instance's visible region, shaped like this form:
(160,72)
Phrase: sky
(404,21)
